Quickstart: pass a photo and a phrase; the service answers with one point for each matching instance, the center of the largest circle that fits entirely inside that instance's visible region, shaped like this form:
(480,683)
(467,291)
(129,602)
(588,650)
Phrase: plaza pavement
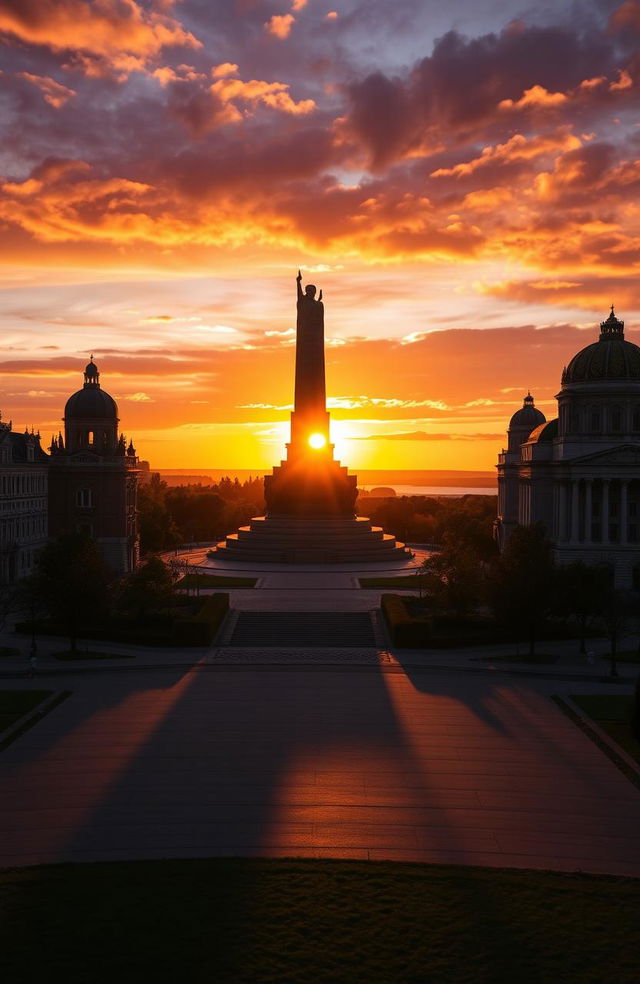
(374,754)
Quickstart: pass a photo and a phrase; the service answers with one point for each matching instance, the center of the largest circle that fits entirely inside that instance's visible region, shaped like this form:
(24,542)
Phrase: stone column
(624,496)
(588,509)
(575,511)
(604,517)
(562,512)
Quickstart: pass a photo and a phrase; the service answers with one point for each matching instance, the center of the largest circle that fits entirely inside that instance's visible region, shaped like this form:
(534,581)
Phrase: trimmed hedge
(201,629)
(407,631)
(158,630)
(439,631)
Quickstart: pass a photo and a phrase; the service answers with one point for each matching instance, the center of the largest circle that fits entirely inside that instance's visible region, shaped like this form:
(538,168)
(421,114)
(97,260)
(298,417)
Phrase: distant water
(450,490)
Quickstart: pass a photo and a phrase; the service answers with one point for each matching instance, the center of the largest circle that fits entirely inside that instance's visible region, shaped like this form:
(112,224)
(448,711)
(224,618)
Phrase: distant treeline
(195,513)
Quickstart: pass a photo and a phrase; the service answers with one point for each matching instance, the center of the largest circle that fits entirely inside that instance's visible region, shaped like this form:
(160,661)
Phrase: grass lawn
(517,658)
(405,582)
(626,656)
(68,654)
(15,703)
(8,652)
(612,713)
(216,581)
(304,922)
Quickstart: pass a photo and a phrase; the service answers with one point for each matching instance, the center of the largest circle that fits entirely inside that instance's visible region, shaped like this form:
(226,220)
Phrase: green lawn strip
(627,656)
(216,581)
(542,658)
(15,704)
(612,713)
(403,581)
(84,654)
(608,712)
(304,922)
(8,652)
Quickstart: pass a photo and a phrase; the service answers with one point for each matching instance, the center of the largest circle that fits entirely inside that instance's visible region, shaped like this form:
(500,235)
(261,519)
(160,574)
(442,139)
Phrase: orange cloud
(272,94)
(517,148)
(123,33)
(279,26)
(536,96)
(53,92)
(223,70)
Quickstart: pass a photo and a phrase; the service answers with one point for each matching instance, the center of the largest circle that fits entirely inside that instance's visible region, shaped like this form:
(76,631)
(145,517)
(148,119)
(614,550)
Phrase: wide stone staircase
(304,629)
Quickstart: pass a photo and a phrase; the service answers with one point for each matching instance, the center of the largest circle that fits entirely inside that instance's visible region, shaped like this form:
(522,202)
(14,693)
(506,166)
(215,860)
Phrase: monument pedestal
(291,539)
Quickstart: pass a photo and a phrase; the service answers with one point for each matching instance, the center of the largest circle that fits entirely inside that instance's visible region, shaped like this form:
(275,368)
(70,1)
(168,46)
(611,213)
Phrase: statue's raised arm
(299,284)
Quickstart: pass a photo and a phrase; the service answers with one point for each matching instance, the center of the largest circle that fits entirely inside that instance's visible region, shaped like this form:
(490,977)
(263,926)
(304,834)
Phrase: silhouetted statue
(310,311)
(310,400)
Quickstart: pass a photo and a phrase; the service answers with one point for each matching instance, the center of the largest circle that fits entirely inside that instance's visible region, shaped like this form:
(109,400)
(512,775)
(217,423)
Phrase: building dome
(91,402)
(527,417)
(545,433)
(611,357)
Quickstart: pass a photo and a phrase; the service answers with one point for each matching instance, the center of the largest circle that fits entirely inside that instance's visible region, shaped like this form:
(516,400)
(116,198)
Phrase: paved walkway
(361,753)
(359,762)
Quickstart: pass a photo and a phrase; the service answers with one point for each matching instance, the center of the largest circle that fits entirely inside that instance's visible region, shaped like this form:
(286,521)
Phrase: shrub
(406,630)
(201,629)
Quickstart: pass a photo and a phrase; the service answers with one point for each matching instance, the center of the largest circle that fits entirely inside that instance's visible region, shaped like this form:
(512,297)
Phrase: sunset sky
(462,179)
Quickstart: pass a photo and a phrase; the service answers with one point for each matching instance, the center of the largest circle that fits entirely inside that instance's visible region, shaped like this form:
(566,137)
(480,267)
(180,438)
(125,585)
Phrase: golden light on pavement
(317,441)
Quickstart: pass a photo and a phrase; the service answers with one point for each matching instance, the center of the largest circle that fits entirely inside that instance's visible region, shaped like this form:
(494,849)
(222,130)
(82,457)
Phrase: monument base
(296,539)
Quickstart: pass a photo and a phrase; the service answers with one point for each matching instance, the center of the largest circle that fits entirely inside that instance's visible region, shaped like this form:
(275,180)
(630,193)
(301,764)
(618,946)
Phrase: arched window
(89,438)
(595,420)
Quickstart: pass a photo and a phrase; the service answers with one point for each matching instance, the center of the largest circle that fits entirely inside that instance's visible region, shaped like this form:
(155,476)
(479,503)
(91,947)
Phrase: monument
(310,497)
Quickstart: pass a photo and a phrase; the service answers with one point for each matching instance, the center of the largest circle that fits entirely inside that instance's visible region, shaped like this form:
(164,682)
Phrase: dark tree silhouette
(522,581)
(73,582)
(150,587)
(582,591)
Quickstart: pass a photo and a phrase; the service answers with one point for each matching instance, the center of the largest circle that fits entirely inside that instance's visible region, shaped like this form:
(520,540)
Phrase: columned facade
(580,473)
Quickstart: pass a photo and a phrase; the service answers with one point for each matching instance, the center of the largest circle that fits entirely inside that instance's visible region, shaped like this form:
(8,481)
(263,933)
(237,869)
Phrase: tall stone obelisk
(310,481)
(310,496)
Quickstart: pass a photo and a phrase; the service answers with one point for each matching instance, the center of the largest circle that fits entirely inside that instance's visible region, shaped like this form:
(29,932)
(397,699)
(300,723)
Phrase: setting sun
(317,441)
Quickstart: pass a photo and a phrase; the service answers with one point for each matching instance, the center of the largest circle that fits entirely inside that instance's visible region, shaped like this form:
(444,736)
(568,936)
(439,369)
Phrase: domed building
(93,475)
(579,474)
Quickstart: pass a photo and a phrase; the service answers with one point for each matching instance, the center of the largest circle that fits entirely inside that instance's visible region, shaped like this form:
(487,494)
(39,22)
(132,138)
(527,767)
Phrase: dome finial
(612,327)
(91,373)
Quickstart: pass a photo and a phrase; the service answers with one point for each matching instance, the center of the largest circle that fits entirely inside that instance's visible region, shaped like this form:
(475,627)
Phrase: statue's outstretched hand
(299,277)
(320,295)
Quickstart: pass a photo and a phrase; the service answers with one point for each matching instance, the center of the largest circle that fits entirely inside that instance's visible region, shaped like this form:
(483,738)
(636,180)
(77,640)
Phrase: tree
(149,587)
(522,581)
(72,582)
(458,576)
(582,590)
(614,622)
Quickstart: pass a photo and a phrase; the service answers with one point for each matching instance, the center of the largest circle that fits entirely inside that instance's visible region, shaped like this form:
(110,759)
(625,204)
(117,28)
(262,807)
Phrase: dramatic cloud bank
(495,166)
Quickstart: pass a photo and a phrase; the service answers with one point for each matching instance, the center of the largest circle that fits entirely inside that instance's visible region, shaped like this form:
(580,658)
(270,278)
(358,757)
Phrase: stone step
(309,629)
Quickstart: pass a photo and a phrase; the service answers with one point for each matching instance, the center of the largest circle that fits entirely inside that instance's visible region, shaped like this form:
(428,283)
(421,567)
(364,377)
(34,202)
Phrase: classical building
(93,475)
(23,502)
(580,473)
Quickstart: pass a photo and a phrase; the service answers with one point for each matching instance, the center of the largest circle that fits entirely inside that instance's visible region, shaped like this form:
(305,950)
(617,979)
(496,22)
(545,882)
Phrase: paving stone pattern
(350,761)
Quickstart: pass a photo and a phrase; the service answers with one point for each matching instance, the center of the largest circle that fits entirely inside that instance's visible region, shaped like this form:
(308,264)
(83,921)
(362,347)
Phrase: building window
(595,420)
(84,498)
(616,420)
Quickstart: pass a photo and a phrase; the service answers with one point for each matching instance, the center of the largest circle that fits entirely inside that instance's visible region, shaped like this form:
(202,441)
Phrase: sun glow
(317,441)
